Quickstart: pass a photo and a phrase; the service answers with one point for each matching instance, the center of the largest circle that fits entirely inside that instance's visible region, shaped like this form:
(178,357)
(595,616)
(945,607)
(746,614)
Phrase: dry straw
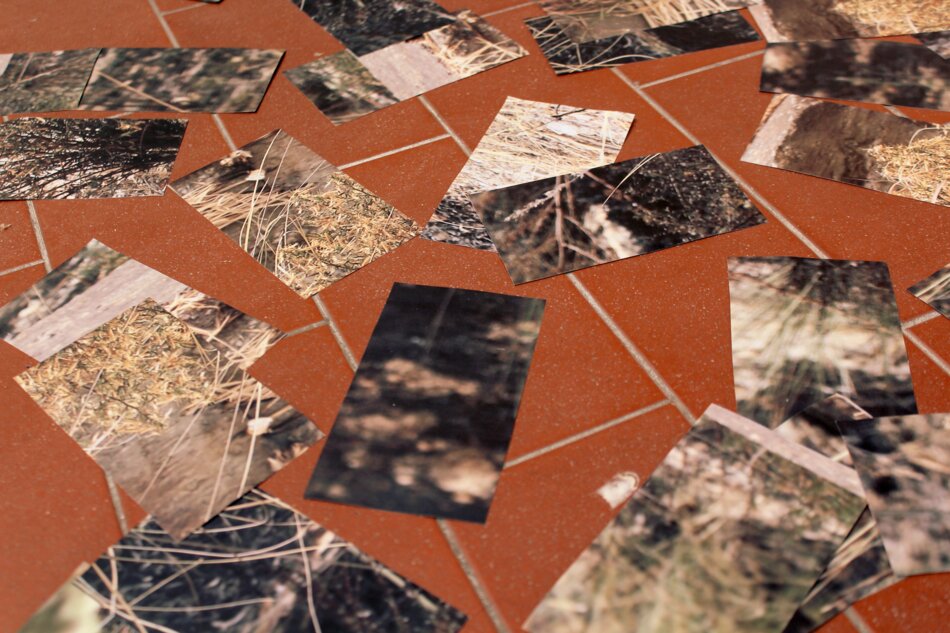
(919,169)
(890,17)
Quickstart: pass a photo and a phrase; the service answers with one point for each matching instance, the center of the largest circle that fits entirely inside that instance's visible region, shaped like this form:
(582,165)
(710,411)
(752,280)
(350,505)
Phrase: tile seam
(223,131)
(116,503)
(917,320)
(38,233)
(15,269)
(438,117)
(387,153)
(164,24)
(507,9)
(702,69)
(306,328)
(930,353)
(337,334)
(197,5)
(857,621)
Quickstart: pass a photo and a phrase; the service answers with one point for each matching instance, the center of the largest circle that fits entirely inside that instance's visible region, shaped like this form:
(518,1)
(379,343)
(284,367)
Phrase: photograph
(527,140)
(937,41)
(891,73)
(935,291)
(729,533)
(180,79)
(44,82)
(806,329)
(169,412)
(566,223)
(426,423)
(902,462)
(856,146)
(794,20)
(567,56)
(58,159)
(816,427)
(258,567)
(298,215)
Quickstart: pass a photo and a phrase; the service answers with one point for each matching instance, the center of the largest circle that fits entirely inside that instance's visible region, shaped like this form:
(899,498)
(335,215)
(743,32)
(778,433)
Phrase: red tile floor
(630,353)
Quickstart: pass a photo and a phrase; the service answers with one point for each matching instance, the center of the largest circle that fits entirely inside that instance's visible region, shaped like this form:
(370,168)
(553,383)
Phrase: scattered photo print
(567,56)
(528,140)
(806,329)
(728,534)
(55,159)
(816,427)
(44,82)
(258,567)
(556,225)
(795,20)
(935,291)
(69,610)
(874,150)
(306,221)
(426,423)
(902,461)
(859,70)
(937,41)
(180,79)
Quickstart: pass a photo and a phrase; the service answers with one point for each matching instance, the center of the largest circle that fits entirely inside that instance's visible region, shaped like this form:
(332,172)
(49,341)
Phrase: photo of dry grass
(299,216)
(557,225)
(935,291)
(937,41)
(55,159)
(794,20)
(859,70)
(425,426)
(180,79)
(729,534)
(816,427)
(875,150)
(806,329)
(528,140)
(903,464)
(44,82)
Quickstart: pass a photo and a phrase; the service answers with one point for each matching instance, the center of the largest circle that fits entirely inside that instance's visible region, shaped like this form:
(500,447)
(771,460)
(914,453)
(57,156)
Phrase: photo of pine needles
(180,79)
(935,291)
(425,426)
(875,150)
(793,20)
(527,140)
(299,216)
(806,329)
(55,159)
(44,82)
(729,533)
(937,41)
(902,461)
(859,70)
(569,222)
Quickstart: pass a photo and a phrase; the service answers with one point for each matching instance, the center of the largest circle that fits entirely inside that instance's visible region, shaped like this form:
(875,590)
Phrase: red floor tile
(18,244)
(920,604)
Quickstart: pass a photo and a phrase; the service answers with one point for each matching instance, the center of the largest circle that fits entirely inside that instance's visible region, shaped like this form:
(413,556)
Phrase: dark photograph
(795,20)
(937,41)
(44,82)
(935,291)
(816,427)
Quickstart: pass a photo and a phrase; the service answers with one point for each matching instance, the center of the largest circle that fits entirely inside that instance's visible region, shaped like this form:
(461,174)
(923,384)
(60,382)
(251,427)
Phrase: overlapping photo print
(44,81)
(556,225)
(792,20)
(937,41)
(426,424)
(935,291)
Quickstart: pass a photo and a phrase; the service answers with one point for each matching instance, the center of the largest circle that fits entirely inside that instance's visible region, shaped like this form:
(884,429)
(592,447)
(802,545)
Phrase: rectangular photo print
(937,41)
(426,424)
(44,82)
(935,291)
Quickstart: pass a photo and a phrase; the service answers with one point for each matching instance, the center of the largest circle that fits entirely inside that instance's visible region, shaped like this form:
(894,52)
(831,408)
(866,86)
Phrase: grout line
(305,328)
(117,504)
(585,434)
(701,69)
(40,242)
(224,131)
(165,27)
(442,122)
(917,320)
(21,267)
(633,350)
(857,621)
(404,148)
(337,334)
(493,612)
(196,5)
(932,355)
(506,9)
(895,111)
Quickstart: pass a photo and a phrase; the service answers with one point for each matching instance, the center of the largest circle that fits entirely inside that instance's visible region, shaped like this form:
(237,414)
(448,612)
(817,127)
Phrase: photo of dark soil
(937,41)
(859,70)
(729,533)
(55,159)
(935,291)
(425,426)
(557,225)
(44,82)
(806,329)
(180,79)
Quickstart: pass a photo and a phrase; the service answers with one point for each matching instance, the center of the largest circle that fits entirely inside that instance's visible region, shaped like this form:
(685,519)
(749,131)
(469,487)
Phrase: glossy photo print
(875,150)
(44,81)
(806,329)
(729,533)
(795,20)
(425,426)
(299,216)
(935,291)
(556,225)
(937,41)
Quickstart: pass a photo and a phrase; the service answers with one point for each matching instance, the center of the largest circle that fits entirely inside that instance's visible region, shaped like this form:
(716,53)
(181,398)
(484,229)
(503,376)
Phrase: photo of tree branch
(557,225)
(44,82)
(935,291)
(426,424)
(55,159)
(806,329)
(180,79)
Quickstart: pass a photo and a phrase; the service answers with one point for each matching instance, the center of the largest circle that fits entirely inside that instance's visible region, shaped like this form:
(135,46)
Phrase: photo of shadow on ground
(902,461)
(935,291)
(729,534)
(806,329)
(937,41)
(56,159)
(180,79)
(859,70)
(875,150)
(44,82)
(557,225)
(426,424)
(527,140)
